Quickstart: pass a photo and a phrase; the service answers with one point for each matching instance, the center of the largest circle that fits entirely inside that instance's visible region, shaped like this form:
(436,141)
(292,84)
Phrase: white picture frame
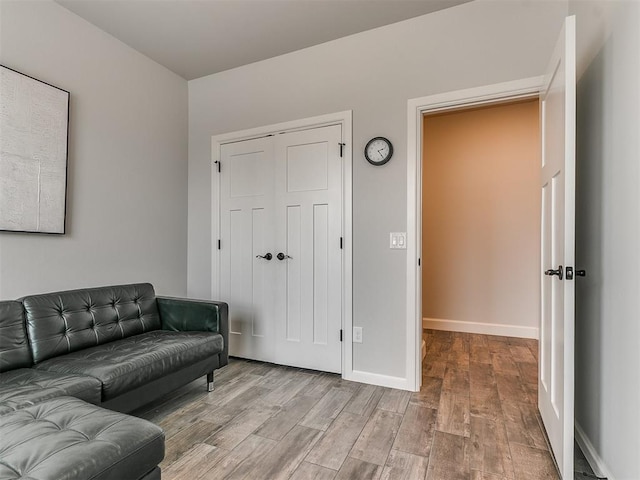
(34,138)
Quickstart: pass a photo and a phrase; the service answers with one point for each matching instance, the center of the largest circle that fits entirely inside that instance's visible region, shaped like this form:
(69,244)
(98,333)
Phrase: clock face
(378,151)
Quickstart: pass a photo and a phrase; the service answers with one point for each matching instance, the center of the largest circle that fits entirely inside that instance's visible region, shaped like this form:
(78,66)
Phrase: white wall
(608,236)
(127,180)
(372,73)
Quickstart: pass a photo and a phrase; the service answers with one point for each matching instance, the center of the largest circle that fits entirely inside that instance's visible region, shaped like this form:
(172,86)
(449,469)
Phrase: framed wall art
(34,130)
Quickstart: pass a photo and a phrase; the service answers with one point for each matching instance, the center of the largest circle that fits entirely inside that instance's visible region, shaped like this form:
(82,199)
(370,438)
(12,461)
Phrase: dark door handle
(266,256)
(568,273)
(282,256)
(557,272)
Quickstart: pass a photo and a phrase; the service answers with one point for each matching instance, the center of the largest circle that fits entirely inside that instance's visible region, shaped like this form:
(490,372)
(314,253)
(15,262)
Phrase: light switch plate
(398,240)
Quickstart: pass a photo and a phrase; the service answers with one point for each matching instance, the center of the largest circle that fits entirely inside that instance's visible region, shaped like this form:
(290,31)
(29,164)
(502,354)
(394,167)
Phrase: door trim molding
(345,119)
(416,108)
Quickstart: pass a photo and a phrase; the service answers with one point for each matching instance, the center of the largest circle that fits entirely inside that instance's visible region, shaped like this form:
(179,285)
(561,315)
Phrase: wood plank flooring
(475,418)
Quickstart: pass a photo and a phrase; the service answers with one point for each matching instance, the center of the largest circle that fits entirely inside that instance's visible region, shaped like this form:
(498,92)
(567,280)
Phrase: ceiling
(194,38)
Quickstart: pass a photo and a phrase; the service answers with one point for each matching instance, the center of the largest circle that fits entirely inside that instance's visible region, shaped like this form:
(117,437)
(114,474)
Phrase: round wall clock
(378,151)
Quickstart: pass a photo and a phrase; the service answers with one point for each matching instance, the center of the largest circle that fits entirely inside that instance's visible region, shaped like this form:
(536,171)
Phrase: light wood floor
(474,419)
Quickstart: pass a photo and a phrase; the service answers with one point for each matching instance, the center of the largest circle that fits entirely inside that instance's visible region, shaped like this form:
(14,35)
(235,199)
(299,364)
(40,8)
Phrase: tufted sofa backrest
(14,348)
(63,322)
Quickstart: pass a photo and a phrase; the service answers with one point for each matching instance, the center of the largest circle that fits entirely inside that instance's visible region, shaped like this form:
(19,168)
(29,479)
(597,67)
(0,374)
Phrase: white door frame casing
(340,118)
(416,109)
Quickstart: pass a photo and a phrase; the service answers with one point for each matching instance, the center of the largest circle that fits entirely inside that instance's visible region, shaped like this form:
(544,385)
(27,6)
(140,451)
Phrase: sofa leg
(210,382)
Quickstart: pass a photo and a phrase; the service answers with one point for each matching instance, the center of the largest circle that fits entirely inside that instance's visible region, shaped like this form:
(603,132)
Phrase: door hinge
(418,262)
(341,147)
(219,244)
(218,165)
(340,334)
(340,243)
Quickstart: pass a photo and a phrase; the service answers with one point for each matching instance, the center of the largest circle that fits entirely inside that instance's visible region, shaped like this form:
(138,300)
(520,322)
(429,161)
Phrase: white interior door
(282,194)
(556,375)
(247,231)
(308,205)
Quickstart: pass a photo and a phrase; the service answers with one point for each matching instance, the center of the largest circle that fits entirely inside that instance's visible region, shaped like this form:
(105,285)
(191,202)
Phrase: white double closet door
(281,256)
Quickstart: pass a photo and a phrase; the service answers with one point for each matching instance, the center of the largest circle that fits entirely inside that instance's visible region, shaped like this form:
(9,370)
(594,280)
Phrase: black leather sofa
(71,362)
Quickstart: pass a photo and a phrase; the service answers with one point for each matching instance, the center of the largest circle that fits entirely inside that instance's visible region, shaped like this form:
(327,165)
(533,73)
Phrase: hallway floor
(486,388)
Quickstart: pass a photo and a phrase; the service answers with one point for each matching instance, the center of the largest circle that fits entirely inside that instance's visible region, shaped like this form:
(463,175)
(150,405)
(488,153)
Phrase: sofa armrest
(188,315)
(185,314)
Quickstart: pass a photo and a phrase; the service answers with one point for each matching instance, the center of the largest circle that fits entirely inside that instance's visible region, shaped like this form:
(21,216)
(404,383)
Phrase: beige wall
(481,216)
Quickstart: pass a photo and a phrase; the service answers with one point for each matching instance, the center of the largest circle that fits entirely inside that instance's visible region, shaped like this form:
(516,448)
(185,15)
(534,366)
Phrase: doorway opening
(556,91)
(481,219)
(418,109)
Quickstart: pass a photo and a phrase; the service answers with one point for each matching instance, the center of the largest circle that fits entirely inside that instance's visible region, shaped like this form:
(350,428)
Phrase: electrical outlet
(357,334)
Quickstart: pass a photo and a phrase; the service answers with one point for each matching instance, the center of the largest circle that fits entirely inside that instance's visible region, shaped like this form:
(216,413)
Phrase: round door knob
(266,256)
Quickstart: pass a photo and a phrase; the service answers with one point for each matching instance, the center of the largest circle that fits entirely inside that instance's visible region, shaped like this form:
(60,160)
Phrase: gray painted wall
(127,181)
(374,74)
(608,236)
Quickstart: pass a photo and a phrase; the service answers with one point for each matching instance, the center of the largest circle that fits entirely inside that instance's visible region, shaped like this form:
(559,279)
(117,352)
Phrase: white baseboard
(595,461)
(400,383)
(482,328)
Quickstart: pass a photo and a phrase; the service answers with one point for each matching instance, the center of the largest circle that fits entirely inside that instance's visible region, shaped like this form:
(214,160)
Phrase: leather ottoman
(69,439)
